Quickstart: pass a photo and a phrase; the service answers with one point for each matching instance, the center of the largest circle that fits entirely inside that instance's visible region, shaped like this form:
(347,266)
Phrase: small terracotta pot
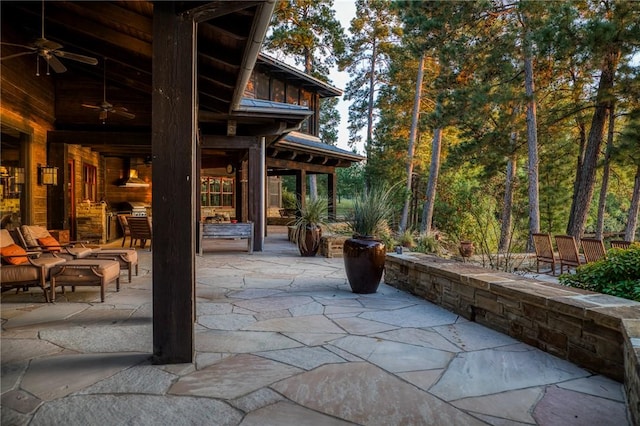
(466,248)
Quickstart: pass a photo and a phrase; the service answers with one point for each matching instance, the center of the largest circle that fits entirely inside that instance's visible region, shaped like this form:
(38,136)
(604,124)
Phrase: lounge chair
(620,244)
(544,251)
(568,252)
(22,269)
(593,249)
(140,229)
(36,237)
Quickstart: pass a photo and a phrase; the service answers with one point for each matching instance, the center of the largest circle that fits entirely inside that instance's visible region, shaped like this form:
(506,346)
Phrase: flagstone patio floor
(281,340)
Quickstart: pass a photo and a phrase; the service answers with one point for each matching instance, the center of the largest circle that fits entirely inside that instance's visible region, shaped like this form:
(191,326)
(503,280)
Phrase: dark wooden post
(332,191)
(174,185)
(257,177)
(301,186)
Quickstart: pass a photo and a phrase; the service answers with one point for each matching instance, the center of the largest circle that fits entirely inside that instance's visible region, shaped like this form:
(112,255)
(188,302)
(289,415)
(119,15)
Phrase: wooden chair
(140,229)
(568,252)
(124,225)
(593,249)
(620,244)
(544,251)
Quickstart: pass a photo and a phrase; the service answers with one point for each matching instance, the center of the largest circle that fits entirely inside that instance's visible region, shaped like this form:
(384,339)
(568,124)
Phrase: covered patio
(281,340)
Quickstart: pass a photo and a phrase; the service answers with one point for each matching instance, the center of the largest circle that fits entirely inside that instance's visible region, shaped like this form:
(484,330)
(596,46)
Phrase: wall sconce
(48,175)
(18,175)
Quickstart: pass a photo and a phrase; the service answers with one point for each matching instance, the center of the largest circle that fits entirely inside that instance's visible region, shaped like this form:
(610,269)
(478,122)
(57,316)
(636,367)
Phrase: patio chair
(568,252)
(21,269)
(544,251)
(593,249)
(36,237)
(124,225)
(140,229)
(620,244)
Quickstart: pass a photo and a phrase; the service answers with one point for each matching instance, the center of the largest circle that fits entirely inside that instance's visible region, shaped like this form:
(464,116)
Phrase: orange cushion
(49,243)
(13,250)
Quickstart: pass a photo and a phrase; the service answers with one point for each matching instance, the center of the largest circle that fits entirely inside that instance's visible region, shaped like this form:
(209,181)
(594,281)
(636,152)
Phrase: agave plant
(310,220)
(371,209)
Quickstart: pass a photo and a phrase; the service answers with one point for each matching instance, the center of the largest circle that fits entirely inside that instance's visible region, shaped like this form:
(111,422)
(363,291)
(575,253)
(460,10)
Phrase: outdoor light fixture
(48,175)
(18,175)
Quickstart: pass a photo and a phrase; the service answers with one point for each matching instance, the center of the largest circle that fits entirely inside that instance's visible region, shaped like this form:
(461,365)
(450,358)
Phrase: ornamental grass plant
(371,210)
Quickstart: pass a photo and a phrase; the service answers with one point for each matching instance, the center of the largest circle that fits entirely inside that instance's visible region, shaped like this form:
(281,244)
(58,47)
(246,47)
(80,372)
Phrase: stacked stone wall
(596,331)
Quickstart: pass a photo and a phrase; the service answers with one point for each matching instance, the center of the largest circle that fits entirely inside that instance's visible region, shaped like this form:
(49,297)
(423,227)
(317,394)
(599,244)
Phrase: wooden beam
(87,138)
(214,10)
(227,142)
(295,165)
(174,184)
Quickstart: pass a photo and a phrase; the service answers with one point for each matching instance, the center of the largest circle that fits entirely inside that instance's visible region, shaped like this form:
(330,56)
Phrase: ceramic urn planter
(364,258)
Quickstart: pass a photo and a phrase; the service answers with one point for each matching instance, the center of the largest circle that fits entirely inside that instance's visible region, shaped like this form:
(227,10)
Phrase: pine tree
(374,30)
(308,32)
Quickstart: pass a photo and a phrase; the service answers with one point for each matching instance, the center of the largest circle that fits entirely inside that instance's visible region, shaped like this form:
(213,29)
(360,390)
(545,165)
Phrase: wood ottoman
(127,258)
(86,272)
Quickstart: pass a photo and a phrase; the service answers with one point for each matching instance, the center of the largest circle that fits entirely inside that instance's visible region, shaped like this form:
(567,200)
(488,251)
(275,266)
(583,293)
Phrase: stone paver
(281,340)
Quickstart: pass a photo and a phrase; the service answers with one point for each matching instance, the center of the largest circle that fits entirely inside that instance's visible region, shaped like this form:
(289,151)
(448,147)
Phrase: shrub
(428,243)
(288,199)
(617,275)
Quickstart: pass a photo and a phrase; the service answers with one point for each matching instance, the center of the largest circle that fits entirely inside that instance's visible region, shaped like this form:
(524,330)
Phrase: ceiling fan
(105,107)
(50,51)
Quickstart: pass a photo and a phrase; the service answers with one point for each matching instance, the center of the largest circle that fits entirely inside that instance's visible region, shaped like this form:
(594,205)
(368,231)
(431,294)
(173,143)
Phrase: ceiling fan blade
(43,43)
(91,106)
(55,63)
(103,115)
(123,112)
(4,43)
(75,57)
(15,55)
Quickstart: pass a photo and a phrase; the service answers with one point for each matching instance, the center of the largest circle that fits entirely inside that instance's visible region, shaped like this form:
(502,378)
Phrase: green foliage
(428,243)
(407,239)
(617,275)
(371,210)
(288,199)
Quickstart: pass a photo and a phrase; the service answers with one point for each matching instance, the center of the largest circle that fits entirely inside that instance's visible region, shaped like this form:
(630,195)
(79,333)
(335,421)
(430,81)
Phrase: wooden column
(332,191)
(173,142)
(301,186)
(256,186)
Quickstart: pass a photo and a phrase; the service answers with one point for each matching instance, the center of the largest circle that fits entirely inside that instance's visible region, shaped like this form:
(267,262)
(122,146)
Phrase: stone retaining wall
(596,331)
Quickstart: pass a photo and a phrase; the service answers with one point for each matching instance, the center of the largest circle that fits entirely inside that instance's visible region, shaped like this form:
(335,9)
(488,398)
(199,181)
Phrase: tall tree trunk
(632,220)
(532,142)
(584,191)
(602,201)
(412,141)
(507,206)
(369,136)
(434,169)
(582,130)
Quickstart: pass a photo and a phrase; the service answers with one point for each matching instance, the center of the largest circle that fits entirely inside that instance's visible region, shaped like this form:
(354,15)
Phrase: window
(275,191)
(89,182)
(277,90)
(216,192)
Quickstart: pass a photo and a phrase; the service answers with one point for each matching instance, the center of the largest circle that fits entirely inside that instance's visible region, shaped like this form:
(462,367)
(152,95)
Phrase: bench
(227,230)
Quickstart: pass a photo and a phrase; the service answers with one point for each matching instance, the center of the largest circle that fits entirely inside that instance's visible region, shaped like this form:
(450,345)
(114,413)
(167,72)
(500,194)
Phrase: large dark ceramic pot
(364,258)
(311,237)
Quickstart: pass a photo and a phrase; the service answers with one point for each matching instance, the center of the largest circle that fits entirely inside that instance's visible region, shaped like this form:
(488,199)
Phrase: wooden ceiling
(120,34)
